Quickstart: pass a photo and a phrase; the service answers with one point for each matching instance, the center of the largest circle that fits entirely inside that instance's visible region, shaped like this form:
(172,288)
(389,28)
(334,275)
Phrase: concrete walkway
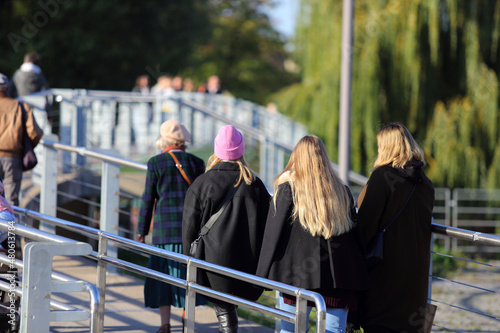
(124,305)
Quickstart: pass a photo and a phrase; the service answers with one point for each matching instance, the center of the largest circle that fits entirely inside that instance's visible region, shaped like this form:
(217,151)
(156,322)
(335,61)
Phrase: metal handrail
(192,264)
(474,236)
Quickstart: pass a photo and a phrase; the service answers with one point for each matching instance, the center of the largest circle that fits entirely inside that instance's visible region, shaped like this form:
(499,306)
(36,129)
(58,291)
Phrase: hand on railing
(140,238)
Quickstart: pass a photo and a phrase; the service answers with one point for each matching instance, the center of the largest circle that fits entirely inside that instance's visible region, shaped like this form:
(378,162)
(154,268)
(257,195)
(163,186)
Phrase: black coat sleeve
(373,205)
(277,219)
(191,220)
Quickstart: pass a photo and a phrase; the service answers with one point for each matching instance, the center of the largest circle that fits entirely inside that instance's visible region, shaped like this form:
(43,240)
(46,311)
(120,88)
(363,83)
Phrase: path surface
(461,295)
(125,310)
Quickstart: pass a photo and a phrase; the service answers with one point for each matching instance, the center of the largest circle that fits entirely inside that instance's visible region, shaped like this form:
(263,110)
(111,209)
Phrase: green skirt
(157,293)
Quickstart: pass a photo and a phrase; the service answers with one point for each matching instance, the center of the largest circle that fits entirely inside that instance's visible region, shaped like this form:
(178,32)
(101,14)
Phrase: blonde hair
(245,173)
(396,146)
(321,201)
(161,143)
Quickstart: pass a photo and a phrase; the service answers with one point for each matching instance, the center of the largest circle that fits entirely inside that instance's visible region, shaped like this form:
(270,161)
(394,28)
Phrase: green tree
(432,65)
(102,44)
(244,51)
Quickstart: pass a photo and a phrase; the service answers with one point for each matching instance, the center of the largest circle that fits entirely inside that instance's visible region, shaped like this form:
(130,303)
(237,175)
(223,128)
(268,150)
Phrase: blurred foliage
(443,262)
(107,44)
(432,65)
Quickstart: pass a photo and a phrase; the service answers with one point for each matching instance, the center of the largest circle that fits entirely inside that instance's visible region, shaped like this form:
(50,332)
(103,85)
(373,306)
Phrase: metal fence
(97,324)
(103,191)
(192,287)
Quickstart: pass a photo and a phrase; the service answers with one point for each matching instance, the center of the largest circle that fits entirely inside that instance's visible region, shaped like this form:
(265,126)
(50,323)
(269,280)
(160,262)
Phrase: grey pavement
(124,304)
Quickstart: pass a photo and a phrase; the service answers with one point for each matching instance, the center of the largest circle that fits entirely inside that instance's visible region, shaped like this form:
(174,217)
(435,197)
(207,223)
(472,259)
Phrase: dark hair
(32,57)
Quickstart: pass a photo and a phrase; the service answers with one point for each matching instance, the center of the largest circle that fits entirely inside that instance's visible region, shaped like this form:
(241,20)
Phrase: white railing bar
(463,284)
(468,310)
(90,153)
(78,198)
(71,213)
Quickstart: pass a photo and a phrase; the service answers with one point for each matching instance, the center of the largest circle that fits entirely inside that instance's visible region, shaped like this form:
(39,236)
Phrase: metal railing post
(101,282)
(48,187)
(190,298)
(454,217)
(110,201)
(38,286)
(301,320)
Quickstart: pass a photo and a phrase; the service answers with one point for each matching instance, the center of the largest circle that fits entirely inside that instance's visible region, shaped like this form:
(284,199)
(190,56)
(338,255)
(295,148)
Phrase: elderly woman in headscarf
(169,175)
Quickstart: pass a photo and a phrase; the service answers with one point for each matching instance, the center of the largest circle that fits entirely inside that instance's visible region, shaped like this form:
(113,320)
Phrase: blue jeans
(7,216)
(336,319)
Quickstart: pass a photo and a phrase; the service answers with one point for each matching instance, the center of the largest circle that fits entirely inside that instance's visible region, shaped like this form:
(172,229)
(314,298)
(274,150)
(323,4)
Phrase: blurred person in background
(14,116)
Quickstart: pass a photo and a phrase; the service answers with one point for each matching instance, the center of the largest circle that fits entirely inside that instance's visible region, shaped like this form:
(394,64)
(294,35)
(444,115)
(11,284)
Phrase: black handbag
(375,248)
(29,157)
(196,246)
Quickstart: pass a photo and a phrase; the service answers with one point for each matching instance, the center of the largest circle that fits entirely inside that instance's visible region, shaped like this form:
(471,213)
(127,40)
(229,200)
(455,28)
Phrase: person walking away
(163,201)
(310,240)
(29,79)
(12,113)
(235,239)
(397,187)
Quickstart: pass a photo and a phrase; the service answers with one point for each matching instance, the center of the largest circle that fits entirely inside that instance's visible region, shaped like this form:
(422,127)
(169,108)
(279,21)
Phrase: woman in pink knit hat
(234,240)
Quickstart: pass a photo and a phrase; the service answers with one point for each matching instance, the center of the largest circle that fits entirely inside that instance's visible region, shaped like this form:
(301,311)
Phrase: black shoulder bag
(195,245)
(29,157)
(375,248)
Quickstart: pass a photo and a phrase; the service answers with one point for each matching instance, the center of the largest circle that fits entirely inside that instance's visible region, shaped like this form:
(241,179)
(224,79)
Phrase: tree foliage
(430,64)
(244,50)
(107,44)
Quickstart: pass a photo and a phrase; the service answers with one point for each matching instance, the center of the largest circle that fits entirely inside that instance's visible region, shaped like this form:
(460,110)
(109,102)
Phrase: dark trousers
(227,316)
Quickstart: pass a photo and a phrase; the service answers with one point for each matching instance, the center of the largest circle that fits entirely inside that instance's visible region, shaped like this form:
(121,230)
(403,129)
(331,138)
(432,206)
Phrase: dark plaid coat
(166,186)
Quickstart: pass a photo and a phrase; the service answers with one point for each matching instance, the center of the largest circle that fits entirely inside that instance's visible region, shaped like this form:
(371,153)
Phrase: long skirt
(157,293)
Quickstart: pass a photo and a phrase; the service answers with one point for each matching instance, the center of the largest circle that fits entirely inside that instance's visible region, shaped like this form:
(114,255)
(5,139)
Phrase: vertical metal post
(101,282)
(78,128)
(301,320)
(447,216)
(277,322)
(48,187)
(190,298)
(345,91)
(454,217)
(110,188)
(38,285)
(263,160)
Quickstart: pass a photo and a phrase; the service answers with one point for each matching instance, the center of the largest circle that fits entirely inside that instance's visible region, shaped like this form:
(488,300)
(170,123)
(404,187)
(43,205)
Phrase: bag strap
(213,218)
(24,118)
(400,210)
(179,166)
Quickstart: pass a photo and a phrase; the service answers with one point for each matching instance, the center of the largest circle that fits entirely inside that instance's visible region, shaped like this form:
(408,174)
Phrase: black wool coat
(235,239)
(398,295)
(290,254)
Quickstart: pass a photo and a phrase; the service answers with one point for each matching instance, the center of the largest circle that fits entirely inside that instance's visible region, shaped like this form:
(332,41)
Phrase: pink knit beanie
(229,144)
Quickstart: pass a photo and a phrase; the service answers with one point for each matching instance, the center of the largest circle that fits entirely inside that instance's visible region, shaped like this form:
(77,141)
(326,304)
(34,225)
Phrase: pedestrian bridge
(85,189)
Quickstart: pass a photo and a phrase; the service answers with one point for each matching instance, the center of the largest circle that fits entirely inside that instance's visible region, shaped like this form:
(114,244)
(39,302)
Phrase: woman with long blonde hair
(309,240)
(235,239)
(398,199)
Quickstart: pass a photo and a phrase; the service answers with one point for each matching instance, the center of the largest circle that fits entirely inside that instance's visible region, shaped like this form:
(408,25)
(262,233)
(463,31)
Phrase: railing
(37,283)
(103,260)
(457,311)
(127,124)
